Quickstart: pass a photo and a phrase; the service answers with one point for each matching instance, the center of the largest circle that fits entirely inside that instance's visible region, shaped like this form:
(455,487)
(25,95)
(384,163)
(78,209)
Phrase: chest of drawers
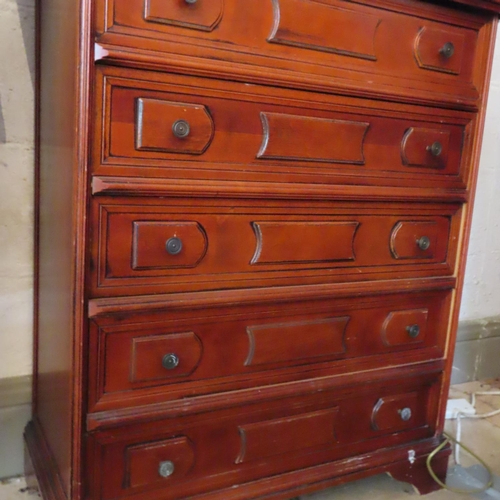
(252,220)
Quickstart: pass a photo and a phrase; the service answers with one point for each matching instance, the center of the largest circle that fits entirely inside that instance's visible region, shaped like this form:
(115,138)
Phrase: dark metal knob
(405,414)
(166,469)
(424,243)
(435,148)
(170,361)
(447,50)
(413,331)
(181,128)
(174,246)
(190,2)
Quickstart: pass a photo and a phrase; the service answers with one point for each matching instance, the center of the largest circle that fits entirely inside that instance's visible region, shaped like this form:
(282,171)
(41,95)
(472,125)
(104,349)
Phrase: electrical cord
(458,444)
(448,439)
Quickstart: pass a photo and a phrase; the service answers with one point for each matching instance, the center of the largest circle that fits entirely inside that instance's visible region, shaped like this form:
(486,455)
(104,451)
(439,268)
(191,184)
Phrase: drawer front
(140,248)
(213,350)
(324,38)
(189,127)
(178,458)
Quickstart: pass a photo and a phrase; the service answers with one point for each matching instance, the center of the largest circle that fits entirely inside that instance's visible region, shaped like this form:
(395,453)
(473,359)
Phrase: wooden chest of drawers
(252,221)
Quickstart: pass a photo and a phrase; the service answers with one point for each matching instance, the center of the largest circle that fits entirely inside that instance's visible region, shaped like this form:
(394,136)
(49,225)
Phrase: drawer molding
(396,327)
(388,412)
(154,126)
(293,26)
(296,434)
(296,340)
(416,147)
(293,242)
(149,242)
(429,42)
(308,138)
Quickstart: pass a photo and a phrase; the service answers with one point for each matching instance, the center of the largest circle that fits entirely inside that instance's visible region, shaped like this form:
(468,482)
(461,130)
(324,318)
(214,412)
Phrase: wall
(16,185)
(481,298)
(16,226)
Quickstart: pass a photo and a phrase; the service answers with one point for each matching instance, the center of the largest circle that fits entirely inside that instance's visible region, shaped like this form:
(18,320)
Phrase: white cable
(463,415)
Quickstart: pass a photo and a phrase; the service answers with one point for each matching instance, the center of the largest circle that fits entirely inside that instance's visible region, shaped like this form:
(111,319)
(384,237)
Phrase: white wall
(16,185)
(481,296)
(482,289)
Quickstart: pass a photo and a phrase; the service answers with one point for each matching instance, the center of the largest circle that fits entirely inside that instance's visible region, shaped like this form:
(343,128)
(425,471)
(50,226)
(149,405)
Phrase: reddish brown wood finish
(297,35)
(261,287)
(275,135)
(237,445)
(218,350)
(277,244)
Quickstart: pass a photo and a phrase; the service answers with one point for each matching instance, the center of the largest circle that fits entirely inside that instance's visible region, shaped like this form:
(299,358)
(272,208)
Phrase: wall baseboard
(15,412)
(477,351)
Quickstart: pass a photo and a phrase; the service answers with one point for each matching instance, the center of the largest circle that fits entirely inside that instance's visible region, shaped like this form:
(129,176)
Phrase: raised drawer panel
(215,350)
(143,248)
(184,127)
(184,456)
(319,39)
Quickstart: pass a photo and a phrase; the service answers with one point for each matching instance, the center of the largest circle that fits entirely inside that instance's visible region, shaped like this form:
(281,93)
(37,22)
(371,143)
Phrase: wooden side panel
(56,301)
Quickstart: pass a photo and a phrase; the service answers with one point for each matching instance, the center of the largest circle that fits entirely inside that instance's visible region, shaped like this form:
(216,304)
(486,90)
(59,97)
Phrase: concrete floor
(482,436)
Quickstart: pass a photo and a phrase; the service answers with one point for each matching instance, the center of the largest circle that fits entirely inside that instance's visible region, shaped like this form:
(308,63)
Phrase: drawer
(226,348)
(192,128)
(179,457)
(188,245)
(314,42)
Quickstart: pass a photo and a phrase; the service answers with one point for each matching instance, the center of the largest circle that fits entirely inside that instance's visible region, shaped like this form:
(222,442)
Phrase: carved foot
(418,476)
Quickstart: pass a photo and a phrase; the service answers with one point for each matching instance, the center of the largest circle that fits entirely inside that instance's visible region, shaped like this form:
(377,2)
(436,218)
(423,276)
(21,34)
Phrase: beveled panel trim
(149,239)
(293,26)
(428,43)
(308,138)
(398,335)
(314,338)
(298,242)
(415,147)
(293,434)
(141,461)
(154,119)
(186,345)
(404,236)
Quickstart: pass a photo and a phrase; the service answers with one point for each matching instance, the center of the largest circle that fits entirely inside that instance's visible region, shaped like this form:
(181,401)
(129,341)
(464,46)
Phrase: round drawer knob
(405,414)
(170,361)
(447,50)
(424,243)
(181,128)
(435,148)
(413,331)
(166,469)
(190,2)
(174,246)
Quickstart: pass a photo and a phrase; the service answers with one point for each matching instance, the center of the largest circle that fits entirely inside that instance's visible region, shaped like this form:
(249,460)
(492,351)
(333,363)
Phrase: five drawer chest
(252,220)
